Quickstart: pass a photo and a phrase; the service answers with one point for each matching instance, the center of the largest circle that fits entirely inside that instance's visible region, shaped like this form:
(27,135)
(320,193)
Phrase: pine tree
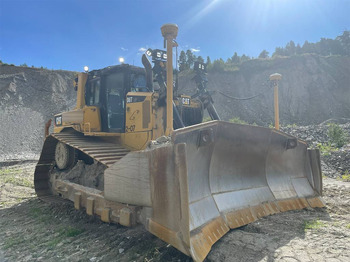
(208,61)
(200,59)
(290,48)
(264,54)
(280,51)
(344,39)
(307,48)
(235,59)
(218,65)
(190,58)
(298,49)
(182,61)
(244,58)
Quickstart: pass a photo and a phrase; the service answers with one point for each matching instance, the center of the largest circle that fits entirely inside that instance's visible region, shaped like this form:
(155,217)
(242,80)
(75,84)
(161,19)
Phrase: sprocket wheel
(65,156)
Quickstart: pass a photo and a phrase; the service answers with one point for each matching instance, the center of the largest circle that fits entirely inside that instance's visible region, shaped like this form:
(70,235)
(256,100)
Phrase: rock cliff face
(28,98)
(312,90)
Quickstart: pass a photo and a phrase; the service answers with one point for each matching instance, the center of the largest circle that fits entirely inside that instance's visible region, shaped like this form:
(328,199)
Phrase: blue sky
(67,35)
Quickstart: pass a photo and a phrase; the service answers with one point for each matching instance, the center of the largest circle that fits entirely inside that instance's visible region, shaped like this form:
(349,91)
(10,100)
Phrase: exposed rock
(29,97)
(313,89)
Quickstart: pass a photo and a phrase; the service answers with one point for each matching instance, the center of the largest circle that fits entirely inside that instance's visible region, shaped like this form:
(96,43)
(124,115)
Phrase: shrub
(206,119)
(336,135)
(237,120)
(325,149)
(346,176)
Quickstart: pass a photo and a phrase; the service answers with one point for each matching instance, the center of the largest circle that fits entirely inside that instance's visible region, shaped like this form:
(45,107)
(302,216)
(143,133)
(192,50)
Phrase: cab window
(138,83)
(92,92)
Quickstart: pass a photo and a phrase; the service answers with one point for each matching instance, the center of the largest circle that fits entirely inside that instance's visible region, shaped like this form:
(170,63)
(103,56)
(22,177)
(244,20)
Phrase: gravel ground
(32,230)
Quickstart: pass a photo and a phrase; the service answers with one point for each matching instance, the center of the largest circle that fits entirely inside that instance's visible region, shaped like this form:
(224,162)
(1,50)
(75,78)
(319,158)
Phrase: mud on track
(32,230)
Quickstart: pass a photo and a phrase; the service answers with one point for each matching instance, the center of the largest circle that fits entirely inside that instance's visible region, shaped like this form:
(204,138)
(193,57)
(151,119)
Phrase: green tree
(337,135)
(298,49)
(290,48)
(264,54)
(308,48)
(190,58)
(218,65)
(244,58)
(208,61)
(200,59)
(279,51)
(182,61)
(235,59)
(344,40)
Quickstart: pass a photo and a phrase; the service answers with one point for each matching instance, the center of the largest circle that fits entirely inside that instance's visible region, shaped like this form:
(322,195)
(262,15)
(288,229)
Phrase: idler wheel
(65,156)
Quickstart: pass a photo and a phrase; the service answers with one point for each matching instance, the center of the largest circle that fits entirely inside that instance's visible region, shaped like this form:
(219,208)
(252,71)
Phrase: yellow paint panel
(92,119)
(138,112)
(137,140)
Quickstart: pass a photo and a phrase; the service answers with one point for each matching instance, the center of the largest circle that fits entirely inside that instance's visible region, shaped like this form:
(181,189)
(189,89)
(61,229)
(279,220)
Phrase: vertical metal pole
(274,78)
(277,120)
(169,32)
(169,81)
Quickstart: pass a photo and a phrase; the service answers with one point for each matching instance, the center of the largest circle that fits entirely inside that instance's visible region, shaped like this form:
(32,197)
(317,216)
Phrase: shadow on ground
(34,230)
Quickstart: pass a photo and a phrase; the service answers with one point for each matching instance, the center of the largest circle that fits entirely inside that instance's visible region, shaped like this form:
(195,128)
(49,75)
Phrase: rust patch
(292,204)
(201,242)
(167,235)
(240,217)
(316,202)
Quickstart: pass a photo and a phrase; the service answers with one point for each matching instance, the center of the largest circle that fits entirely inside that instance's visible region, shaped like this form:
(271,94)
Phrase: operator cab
(107,88)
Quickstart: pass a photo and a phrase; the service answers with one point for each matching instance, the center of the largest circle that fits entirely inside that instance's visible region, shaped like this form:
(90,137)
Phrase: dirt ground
(32,230)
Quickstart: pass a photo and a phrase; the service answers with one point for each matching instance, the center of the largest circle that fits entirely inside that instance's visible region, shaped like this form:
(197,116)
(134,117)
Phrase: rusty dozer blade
(215,176)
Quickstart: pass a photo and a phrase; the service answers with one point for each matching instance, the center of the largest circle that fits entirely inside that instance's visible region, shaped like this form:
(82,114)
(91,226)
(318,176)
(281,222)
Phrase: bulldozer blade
(212,177)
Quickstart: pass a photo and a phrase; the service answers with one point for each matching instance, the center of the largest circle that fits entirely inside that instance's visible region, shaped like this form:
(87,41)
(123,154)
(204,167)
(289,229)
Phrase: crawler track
(106,153)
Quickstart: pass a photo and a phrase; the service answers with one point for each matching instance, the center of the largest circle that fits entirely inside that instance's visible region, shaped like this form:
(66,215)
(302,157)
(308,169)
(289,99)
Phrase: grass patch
(18,181)
(54,242)
(13,241)
(313,224)
(348,226)
(15,177)
(63,233)
(39,215)
(72,232)
(8,171)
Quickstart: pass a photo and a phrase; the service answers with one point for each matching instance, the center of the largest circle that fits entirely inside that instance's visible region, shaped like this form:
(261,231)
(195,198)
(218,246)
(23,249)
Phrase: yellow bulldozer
(151,161)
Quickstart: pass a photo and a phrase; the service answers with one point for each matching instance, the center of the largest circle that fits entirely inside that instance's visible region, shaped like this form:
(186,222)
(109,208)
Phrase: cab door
(115,106)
